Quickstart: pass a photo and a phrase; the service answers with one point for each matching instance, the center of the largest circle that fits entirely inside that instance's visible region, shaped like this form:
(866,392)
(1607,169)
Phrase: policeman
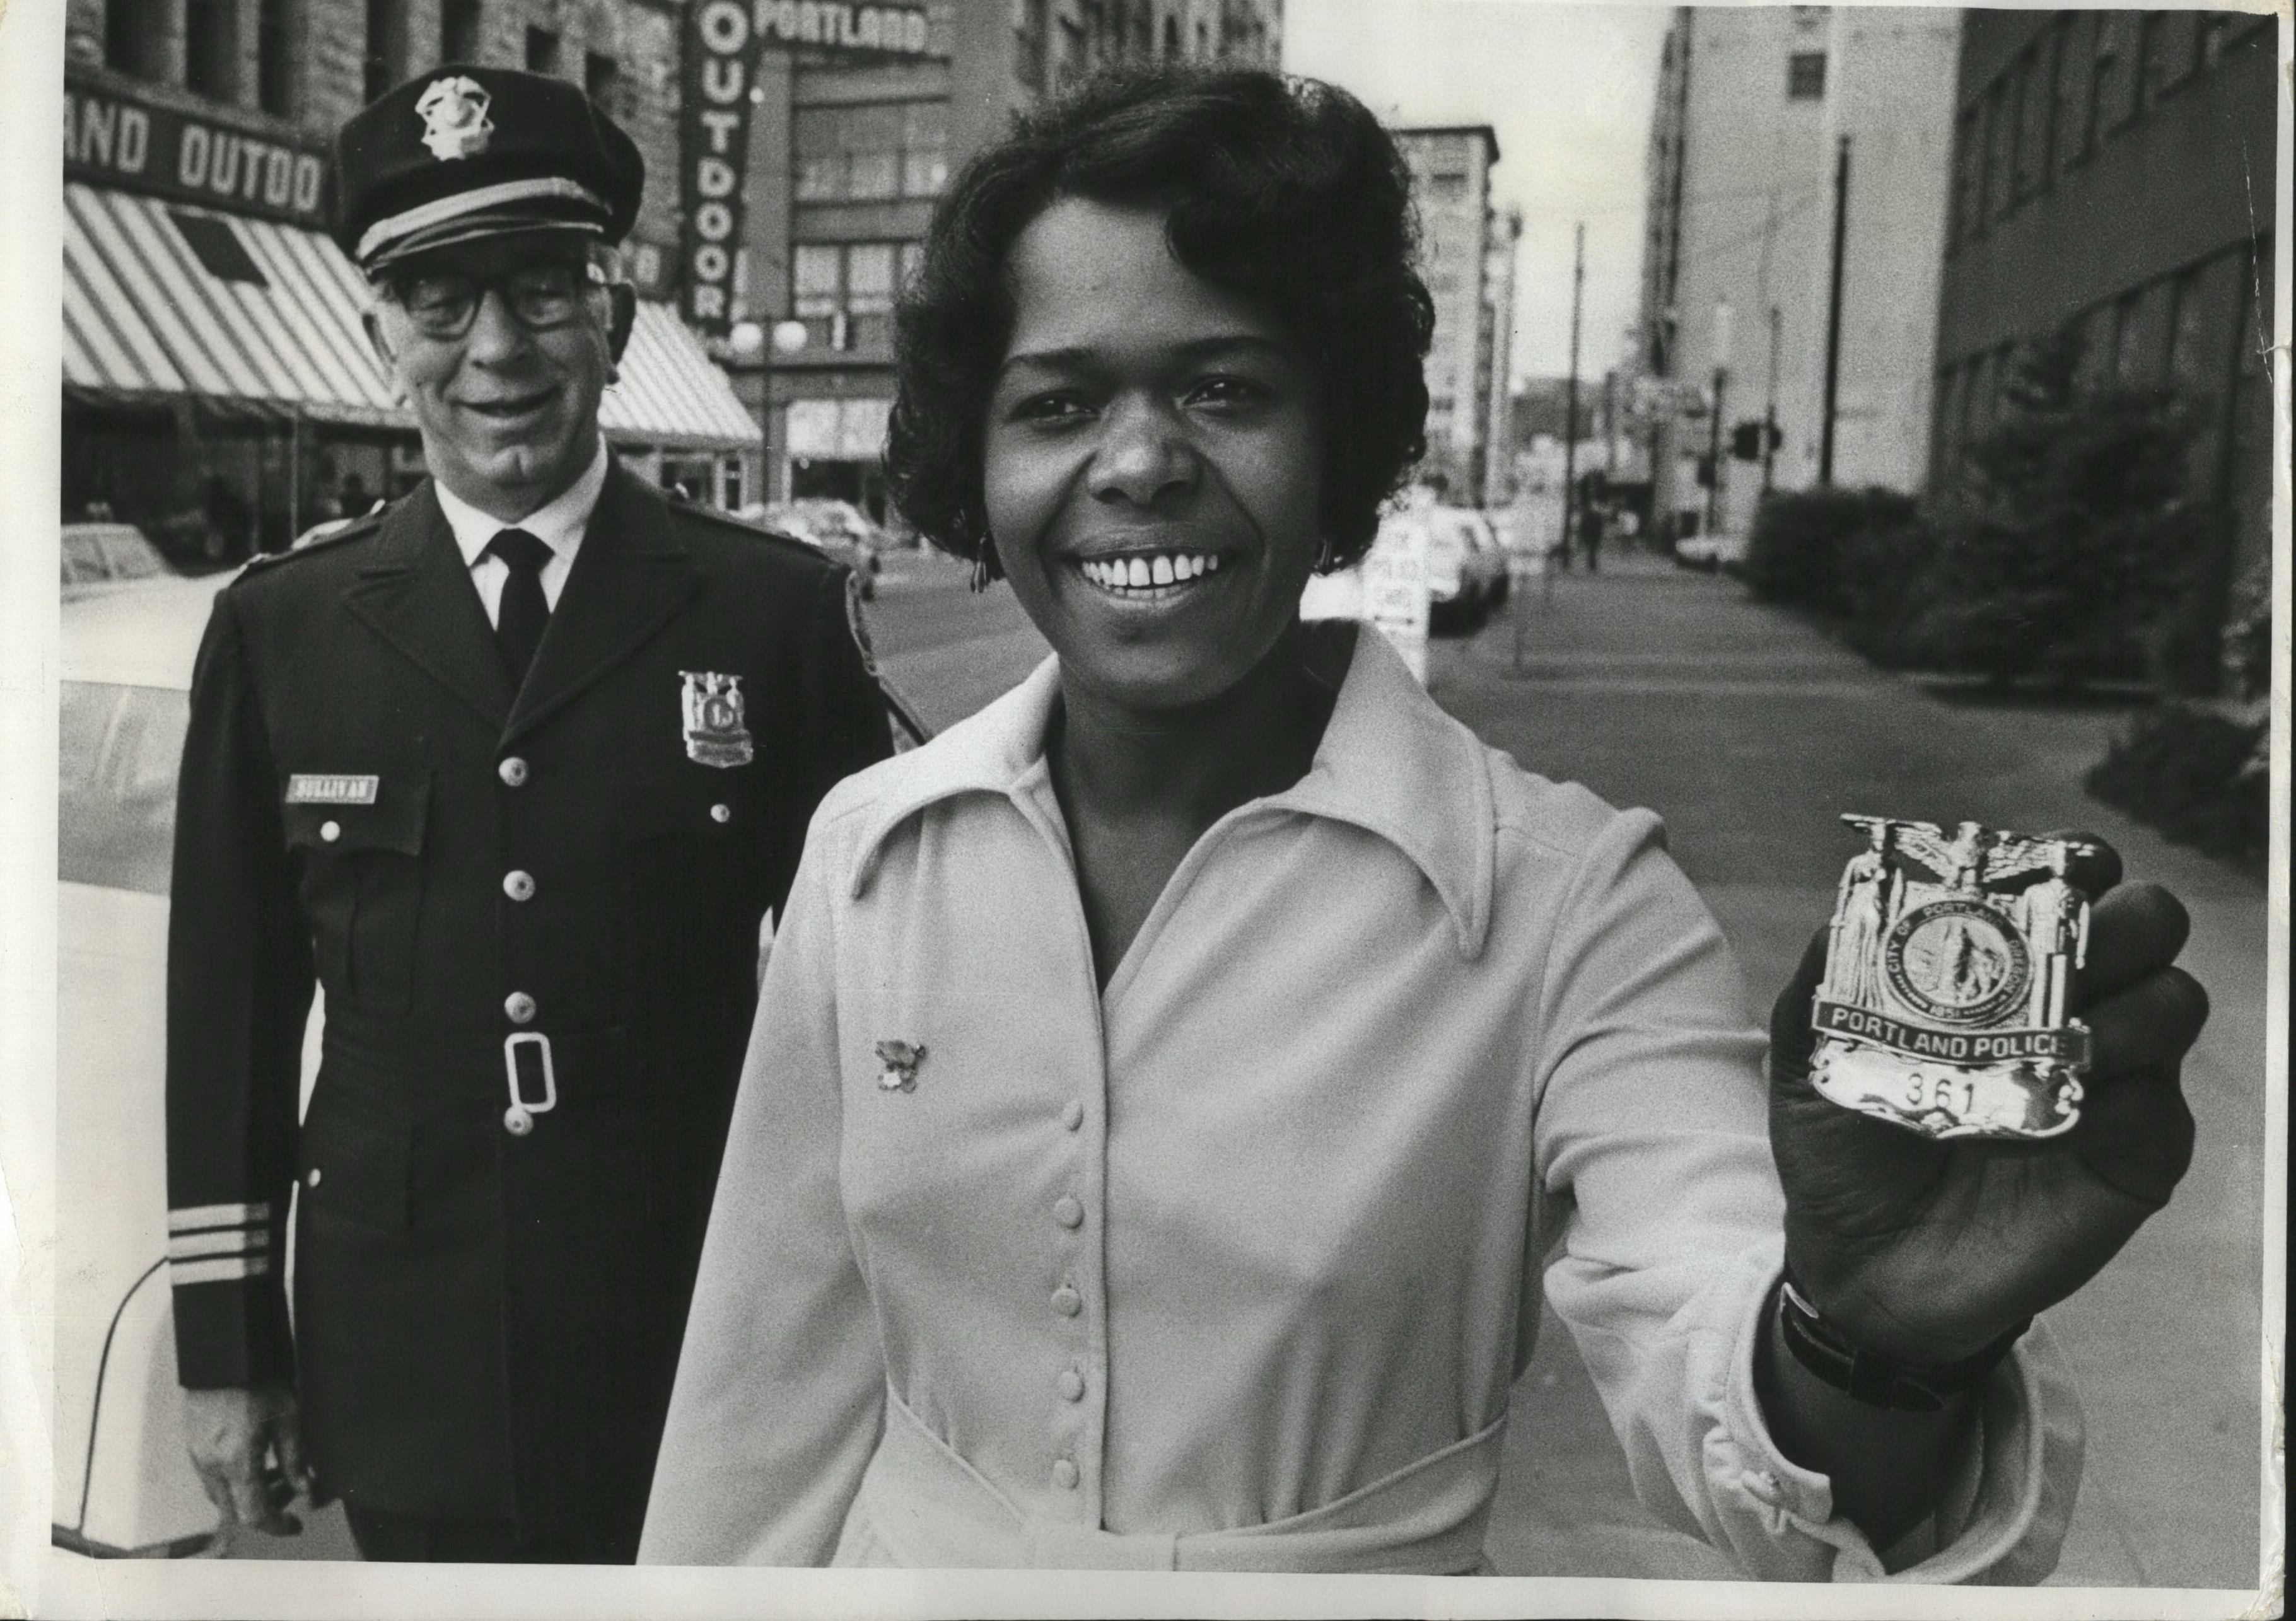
(515,768)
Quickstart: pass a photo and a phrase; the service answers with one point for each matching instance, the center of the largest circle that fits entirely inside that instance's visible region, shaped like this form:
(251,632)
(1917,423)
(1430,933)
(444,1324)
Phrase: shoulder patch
(324,537)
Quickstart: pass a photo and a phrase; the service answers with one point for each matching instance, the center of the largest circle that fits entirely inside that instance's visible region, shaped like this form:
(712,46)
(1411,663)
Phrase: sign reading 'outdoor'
(723,38)
(118,140)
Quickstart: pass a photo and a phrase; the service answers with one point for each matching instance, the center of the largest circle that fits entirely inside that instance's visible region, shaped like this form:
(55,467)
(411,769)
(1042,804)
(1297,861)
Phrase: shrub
(2198,774)
(2070,542)
(1807,548)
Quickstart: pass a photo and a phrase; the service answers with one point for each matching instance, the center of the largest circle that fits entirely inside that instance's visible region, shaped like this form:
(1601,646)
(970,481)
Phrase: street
(1751,733)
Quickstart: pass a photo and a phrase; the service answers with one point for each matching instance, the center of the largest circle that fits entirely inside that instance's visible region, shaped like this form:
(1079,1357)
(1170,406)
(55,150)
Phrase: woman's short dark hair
(1284,190)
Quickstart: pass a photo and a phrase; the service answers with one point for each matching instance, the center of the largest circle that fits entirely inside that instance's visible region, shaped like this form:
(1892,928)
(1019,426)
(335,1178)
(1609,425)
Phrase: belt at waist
(922,1506)
(414,1070)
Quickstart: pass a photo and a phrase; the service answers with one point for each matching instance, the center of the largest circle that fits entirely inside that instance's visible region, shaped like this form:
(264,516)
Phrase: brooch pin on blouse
(900,1058)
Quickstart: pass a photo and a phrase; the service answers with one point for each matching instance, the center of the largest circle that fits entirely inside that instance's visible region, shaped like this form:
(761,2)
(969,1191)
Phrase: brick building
(847,157)
(2114,170)
(216,384)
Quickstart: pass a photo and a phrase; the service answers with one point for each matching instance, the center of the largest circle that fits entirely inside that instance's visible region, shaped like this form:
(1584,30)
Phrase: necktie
(525,610)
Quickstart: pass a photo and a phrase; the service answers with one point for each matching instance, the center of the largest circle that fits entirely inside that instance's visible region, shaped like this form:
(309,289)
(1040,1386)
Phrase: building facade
(2114,172)
(1753,108)
(217,387)
(1466,248)
(847,158)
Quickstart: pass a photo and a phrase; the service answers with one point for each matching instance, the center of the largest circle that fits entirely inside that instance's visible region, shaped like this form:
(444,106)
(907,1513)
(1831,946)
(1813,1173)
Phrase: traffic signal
(1746,439)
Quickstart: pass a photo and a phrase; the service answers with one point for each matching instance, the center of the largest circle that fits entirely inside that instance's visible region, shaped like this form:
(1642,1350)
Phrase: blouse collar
(1392,763)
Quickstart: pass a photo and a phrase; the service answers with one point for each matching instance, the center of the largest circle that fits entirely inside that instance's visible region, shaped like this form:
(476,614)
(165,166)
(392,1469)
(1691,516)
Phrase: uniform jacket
(486,1321)
(1232,1264)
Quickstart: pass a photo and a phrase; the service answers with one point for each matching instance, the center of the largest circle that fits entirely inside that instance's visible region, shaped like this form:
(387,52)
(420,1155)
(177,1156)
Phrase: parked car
(836,527)
(1710,550)
(1466,566)
(101,556)
(123,1484)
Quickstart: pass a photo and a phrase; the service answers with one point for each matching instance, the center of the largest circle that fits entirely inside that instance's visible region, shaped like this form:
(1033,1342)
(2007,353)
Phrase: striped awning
(145,318)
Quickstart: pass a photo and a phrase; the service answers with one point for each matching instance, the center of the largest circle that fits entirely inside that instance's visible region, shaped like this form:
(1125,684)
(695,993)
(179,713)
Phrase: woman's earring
(1324,558)
(981,575)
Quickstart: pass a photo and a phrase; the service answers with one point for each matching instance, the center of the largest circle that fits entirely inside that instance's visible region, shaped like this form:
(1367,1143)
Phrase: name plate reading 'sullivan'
(1947,973)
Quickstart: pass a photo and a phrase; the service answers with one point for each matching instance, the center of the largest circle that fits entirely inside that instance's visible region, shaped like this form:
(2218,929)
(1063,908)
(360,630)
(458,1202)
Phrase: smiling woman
(1168,1084)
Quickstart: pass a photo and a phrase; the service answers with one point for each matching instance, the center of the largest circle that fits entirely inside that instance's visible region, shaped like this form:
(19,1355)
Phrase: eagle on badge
(455,122)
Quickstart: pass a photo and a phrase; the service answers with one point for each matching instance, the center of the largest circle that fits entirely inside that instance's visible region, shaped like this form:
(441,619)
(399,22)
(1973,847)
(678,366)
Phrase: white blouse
(1232,1264)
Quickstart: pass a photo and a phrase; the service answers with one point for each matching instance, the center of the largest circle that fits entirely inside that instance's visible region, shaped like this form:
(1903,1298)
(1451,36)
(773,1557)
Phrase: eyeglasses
(539,296)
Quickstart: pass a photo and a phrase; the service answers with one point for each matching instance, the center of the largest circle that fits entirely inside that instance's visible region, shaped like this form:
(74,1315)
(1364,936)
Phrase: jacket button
(1068,1211)
(1072,1116)
(513,771)
(721,813)
(1064,1474)
(518,886)
(331,831)
(1066,1302)
(312,1179)
(1071,1384)
(519,1006)
(517,1121)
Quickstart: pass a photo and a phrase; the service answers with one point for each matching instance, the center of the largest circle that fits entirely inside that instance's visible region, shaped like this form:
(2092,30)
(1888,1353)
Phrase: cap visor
(478,227)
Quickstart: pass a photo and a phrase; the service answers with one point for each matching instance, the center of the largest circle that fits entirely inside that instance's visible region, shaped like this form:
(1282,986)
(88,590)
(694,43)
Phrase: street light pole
(1770,407)
(1833,313)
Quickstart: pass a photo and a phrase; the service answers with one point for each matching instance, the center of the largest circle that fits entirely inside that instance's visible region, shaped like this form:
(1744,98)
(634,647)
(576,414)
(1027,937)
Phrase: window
(1446,188)
(2033,101)
(2076,60)
(2172,49)
(844,291)
(1171,38)
(2116,71)
(2000,149)
(386,45)
(216,247)
(871,152)
(211,48)
(133,37)
(275,57)
(602,81)
(458,30)
(1969,175)
(1806,75)
(542,50)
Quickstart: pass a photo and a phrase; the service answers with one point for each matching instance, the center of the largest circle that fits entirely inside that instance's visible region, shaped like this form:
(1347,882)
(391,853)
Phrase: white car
(124,1485)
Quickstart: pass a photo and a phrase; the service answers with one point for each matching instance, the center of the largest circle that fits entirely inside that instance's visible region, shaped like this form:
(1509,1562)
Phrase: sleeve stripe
(218,1268)
(227,1240)
(195,1216)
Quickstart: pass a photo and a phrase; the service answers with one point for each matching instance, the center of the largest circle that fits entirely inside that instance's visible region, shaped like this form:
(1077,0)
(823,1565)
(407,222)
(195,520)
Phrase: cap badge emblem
(715,729)
(900,1058)
(455,122)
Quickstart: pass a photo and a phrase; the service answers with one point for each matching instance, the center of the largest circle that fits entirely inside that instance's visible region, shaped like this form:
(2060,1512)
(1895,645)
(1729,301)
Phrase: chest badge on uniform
(717,732)
(900,1058)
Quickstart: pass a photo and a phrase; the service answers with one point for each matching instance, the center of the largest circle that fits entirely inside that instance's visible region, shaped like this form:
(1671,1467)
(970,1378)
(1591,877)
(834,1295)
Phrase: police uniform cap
(466,152)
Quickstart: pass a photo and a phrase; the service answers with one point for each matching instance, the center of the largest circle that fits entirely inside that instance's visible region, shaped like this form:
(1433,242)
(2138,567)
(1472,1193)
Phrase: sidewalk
(1751,733)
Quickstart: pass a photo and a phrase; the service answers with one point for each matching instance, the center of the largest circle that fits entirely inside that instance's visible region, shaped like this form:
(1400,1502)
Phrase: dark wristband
(1834,1359)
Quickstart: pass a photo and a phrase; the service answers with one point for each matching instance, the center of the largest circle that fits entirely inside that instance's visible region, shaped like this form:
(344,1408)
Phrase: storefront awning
(162,302)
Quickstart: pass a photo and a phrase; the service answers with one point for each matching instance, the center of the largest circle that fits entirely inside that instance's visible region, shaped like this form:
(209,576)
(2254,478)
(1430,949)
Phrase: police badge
(455,122)
(715,732)
(1946,970)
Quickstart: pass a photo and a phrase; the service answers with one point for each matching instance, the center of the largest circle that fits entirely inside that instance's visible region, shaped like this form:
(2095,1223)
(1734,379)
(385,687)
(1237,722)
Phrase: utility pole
(1569,435)
(1770,407)
(1833,313)
(1721,346)
(1611,423)
(1570,396)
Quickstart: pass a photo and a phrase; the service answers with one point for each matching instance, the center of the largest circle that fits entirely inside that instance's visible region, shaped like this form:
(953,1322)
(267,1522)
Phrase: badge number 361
(1948,965)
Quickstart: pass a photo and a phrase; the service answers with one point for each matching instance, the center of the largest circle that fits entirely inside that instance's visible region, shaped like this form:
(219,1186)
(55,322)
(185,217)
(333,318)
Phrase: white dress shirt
(558,526)
(1232,1265)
